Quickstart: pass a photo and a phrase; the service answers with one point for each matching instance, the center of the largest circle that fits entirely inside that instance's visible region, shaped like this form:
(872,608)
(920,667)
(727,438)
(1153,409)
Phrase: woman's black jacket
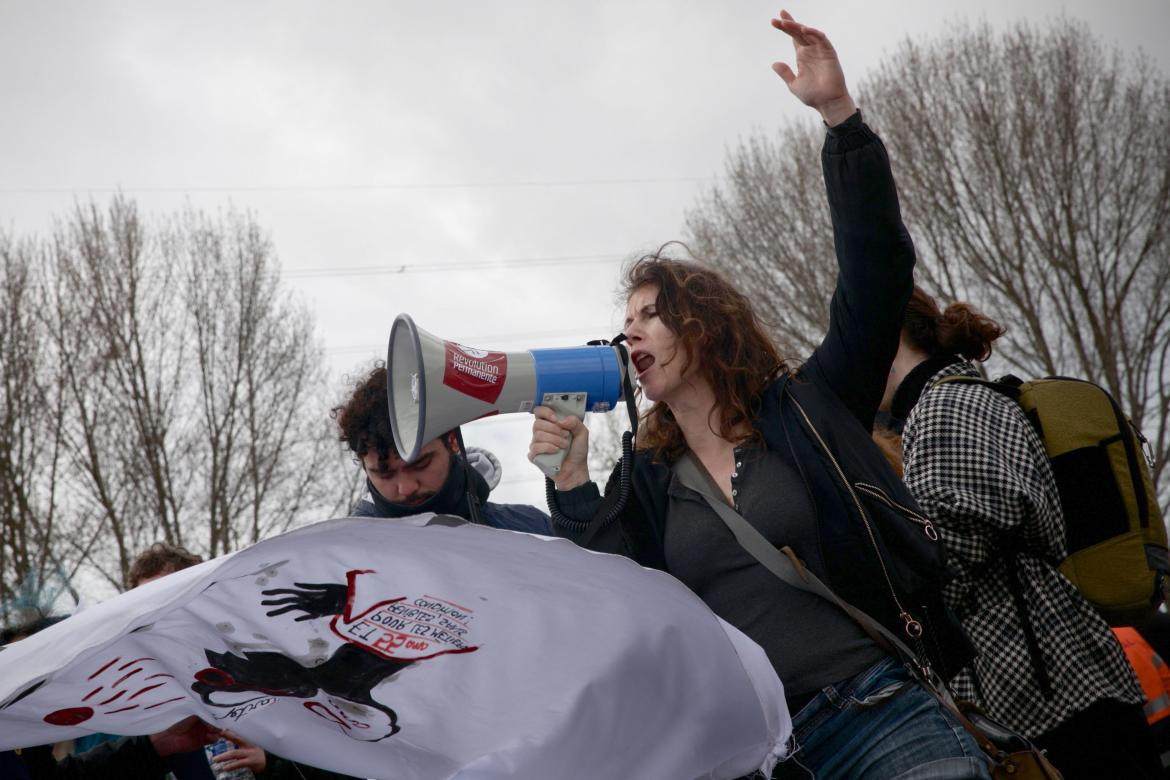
(880,554)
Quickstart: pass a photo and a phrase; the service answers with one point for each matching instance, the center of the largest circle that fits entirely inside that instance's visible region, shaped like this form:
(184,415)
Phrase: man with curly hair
(441,479)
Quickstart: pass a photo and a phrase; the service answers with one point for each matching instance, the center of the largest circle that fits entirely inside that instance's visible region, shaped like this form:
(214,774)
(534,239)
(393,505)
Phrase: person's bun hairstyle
(957,330)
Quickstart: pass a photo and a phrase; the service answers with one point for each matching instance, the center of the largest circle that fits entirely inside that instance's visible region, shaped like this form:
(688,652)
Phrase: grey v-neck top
(810,642)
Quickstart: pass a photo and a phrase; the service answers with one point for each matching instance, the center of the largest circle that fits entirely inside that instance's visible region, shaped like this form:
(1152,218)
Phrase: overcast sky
(530,145)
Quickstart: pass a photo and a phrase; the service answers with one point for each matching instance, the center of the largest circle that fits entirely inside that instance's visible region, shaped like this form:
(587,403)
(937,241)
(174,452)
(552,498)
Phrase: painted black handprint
(314,599)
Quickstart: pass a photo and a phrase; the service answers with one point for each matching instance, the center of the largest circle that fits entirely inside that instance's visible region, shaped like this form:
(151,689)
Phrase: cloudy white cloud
(390,134)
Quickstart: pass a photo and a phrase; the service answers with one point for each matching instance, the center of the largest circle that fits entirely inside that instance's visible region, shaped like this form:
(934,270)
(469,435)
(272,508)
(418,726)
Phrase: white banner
(415,648)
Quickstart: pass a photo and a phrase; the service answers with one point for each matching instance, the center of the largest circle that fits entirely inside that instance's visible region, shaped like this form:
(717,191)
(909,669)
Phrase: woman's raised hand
(548,436)
(818,81)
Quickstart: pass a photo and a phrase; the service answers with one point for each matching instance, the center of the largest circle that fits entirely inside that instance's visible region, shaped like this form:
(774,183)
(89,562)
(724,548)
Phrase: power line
(466,265)
(315,272)
(479,340)
(369,187)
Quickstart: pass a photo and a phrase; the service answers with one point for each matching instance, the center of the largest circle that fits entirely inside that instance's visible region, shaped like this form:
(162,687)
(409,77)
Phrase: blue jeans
(878,725)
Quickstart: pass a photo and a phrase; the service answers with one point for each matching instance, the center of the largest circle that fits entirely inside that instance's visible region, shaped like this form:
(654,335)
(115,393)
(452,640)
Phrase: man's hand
(185,736)
(244,756)
(818,81)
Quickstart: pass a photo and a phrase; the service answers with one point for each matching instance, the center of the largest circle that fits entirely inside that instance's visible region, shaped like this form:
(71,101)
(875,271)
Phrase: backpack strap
(1012,552)
(783,562)
(1007,385)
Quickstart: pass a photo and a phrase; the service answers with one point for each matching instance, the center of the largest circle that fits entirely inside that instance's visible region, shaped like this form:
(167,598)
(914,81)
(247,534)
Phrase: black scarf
(452,498)
(910,390)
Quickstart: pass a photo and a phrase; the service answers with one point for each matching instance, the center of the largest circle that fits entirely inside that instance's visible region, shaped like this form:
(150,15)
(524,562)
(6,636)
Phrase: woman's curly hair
(719,335)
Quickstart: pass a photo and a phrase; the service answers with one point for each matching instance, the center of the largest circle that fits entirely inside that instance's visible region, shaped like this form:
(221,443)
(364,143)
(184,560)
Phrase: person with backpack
(786,449)
(1048,665)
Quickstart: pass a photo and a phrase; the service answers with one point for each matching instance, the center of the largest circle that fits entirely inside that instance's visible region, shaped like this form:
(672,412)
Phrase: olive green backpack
(1117,554)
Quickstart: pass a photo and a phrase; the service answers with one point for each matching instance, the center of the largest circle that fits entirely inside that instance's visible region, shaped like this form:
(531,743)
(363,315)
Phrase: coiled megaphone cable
(590,527)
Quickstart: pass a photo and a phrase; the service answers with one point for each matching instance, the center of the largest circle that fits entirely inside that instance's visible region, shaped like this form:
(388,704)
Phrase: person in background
(145,757)
(29,627)
(1154,676)
(155,562)
(142,758)
(438,480)
(1048,665)
(159,560)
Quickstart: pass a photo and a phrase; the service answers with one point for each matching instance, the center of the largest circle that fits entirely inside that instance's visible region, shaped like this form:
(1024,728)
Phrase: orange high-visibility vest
(1151,670)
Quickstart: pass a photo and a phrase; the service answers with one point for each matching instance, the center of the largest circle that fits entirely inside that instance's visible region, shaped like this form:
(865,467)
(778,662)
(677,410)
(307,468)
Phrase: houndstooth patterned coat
(976,466)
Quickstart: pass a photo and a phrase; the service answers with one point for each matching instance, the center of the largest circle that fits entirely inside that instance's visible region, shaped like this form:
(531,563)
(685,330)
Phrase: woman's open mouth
(642,361)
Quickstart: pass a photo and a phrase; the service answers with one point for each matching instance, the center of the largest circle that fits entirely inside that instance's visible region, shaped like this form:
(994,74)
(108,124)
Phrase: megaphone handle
(564,404)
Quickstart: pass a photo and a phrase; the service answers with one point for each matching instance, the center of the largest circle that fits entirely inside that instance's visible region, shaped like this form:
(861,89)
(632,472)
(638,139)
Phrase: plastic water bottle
(220,746)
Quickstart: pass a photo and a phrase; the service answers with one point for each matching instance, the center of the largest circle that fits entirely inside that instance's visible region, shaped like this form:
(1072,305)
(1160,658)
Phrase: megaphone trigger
(565,405)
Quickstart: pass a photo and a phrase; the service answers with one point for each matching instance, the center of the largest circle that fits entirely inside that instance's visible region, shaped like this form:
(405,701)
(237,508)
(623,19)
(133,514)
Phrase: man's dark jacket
(510,517)
(452,499)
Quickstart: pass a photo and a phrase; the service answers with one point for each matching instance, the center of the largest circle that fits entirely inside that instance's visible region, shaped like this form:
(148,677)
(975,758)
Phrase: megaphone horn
(434,385)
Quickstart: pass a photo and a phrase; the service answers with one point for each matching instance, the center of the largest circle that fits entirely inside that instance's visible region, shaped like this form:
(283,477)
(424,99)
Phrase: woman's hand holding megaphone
(550,435)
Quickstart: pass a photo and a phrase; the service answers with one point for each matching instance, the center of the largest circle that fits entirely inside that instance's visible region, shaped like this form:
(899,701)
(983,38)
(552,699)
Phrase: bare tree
(769,227)
(31,554)
(180,393)
(1035,178)
(1035,175)
(350,485)
(258,371)
(119,335)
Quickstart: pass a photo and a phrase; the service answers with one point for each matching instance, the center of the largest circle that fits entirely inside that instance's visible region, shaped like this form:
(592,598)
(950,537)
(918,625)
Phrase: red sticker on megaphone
(475,372)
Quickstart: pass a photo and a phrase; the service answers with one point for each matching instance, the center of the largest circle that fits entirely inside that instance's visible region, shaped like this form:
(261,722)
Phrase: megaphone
(434,385)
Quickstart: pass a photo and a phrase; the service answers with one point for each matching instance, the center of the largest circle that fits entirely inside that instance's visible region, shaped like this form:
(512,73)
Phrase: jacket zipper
(911,626)
(875,491)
